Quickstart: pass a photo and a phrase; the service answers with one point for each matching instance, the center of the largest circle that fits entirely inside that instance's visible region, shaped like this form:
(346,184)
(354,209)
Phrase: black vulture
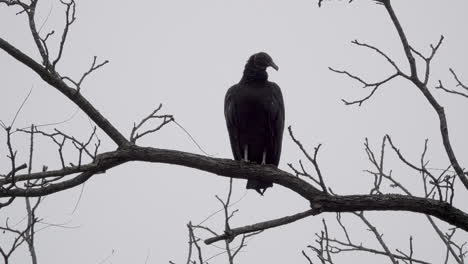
(254,112)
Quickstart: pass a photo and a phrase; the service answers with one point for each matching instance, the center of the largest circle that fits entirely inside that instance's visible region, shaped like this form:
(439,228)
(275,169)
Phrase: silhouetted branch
(229,168)
(166,119)
(397,184)
(414,78)
(260,226)
(378,236)
(459,84)
(312,160)
(70,18)
(323,250)
(375,85)
(60,138)
(365,84)
(428,59)
(328,245)
(26,234)
(31,210)
(378,51)
(337,246)
(228,237)
(193,241)
(307,257)
(56,81)
(93,68)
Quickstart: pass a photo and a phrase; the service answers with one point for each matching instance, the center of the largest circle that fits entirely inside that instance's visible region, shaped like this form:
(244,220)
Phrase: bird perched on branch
(254,112)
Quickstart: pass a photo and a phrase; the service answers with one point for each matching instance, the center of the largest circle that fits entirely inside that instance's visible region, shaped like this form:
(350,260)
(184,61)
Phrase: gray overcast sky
(185,54)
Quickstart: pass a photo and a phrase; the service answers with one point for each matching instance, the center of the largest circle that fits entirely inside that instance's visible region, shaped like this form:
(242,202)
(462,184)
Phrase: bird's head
(261,61)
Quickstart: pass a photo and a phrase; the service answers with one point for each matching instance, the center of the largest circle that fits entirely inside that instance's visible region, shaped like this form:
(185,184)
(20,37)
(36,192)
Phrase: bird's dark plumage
(254,112)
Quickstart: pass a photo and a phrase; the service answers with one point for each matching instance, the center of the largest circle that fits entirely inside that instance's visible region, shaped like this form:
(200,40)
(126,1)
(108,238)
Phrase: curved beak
(274,66)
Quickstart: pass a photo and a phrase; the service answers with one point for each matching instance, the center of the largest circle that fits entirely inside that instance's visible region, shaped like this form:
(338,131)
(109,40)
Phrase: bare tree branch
(459,84)
(229,168)
(70,18)
(427,94)
(312,160)
(378,236)
(366,84)
(260,226)
(69,92)
(420,84)
(166,119)
(400,186)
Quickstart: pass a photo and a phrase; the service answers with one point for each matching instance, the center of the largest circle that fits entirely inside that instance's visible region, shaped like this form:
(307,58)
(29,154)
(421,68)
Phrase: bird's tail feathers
(259,186)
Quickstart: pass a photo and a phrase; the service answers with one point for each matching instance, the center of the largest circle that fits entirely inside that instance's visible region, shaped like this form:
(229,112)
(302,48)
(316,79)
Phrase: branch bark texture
(319,201)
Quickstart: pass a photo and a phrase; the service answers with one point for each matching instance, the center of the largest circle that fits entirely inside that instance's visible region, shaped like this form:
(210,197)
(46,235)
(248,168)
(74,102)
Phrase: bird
(254,113)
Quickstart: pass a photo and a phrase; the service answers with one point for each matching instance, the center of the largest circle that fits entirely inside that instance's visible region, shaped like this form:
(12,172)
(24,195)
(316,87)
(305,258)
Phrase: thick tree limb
(72,94)
(229,168)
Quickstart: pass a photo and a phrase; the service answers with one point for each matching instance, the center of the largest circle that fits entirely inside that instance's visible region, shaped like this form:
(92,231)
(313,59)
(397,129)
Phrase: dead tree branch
(396,184)
(459,84)
(313,160)
(166,119)
(229,168)
(420,83)
(260,226)
(337,246)
(414,78)
(228,237)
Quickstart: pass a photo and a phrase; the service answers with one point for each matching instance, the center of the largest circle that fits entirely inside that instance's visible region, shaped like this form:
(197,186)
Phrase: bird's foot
(261,191)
